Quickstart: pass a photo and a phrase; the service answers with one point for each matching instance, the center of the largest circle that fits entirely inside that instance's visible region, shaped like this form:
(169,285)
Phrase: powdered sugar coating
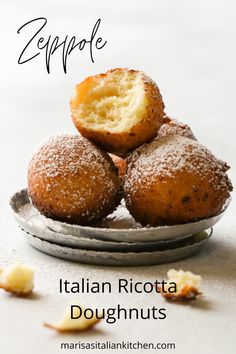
(173,126)
(175,174)
(171,154)
(71,179)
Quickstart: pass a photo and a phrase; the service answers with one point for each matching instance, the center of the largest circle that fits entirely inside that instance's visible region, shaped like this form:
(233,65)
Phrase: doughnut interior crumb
(187,283)
(17,279)
(111,102)
(67,324)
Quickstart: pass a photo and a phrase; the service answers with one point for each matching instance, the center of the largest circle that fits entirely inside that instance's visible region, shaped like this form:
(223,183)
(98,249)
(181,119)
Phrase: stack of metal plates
(117,240)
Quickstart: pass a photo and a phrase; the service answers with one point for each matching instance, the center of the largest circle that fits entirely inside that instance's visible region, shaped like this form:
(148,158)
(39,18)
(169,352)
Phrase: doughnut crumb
(187,283)
(119,110)
(17,279)
(67,324)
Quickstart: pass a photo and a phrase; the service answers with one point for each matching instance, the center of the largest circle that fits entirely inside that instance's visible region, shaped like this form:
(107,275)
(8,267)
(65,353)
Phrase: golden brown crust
(144,131)
(72,180)
(187,293)
(120,163)
(61,329)
(19,293)
(173,126)
(174,180)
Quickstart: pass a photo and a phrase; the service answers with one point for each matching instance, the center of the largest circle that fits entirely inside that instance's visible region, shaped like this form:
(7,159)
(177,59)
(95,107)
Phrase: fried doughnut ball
(120,164)
(174,180)
(119,110)
(72,180)
(173,126)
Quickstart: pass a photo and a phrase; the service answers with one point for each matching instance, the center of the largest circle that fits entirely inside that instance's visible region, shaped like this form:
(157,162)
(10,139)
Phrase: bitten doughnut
(120,164)
(173,126)
(174,180)
(72,180)
(119,110)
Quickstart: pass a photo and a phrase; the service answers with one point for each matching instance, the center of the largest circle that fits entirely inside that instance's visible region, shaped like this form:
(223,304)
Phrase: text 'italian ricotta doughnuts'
(72,180)
(174,180)
(119,110)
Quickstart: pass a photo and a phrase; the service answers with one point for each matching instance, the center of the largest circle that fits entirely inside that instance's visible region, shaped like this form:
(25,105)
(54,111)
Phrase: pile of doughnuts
(126,148)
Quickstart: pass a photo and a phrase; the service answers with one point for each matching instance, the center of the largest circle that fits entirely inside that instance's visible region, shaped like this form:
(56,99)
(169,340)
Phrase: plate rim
(202,241)
(113,230)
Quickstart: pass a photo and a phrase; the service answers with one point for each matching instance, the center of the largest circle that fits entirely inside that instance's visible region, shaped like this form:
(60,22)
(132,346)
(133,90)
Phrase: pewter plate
(121,258)
(119,228)
(34,223)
